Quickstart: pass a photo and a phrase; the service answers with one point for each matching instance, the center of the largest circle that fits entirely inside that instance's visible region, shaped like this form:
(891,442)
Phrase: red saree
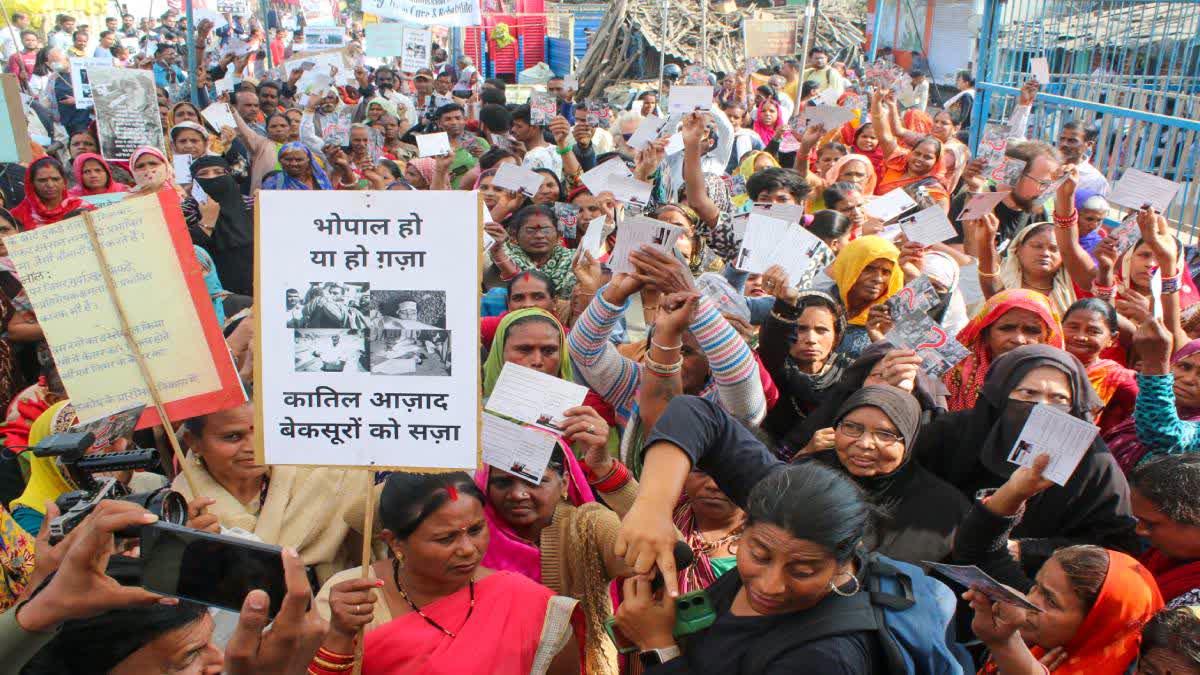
(1117,388)
(516,623)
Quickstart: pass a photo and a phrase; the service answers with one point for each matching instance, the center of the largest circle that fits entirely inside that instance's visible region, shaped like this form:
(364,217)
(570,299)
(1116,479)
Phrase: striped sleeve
(734,368)
(609,374)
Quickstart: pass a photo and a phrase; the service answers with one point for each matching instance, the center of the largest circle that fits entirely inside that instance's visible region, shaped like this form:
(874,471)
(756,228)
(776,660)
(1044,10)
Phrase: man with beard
(1076,141)
(1017,209)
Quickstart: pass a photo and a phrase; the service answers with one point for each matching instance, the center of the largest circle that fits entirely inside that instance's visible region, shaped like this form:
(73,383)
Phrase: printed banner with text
(369,303)
(161,287)
(427,12)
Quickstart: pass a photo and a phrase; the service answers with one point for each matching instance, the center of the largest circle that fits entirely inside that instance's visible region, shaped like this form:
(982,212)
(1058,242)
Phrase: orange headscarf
(895,173)
(918,121)
(1108,640)
(966,379)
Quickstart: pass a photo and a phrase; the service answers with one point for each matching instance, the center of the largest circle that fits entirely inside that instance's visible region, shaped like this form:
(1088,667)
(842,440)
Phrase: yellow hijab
(46,483)
(746,170)
(854,258)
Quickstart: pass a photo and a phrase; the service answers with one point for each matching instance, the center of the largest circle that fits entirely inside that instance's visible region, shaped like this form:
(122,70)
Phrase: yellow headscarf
(854,258)
(746,169)
(46,483)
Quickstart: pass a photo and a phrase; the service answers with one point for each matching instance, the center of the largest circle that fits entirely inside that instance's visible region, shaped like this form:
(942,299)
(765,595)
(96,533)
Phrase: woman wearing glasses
(970,449)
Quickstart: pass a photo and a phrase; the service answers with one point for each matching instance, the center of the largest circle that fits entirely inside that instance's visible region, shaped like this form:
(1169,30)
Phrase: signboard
(769,37)
(14,133)
(427,12)
(371,312)
(126,111)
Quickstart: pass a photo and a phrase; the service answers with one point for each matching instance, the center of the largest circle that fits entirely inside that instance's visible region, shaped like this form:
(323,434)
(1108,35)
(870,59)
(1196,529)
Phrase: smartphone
(210,569)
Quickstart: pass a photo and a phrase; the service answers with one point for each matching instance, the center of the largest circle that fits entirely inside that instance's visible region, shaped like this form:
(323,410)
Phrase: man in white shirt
(820,71)
(385,85)
(10,40)
(915,94)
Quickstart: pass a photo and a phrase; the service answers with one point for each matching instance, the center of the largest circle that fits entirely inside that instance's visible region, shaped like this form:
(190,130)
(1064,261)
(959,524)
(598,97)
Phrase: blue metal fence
(1131,67)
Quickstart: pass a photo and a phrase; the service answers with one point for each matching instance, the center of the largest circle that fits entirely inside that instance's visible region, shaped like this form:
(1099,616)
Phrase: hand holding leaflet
(1039,67)
(939,351)
(890,205)
(517,449)
(650,129)
(630,190)
(929,226)
(973,577)
(433,145)
(918,295)
(1137,188)
(533,397)
(1062,436)
(980,204)
(690,98)
(596,180)
(637,231)
(593,239)
(517,178)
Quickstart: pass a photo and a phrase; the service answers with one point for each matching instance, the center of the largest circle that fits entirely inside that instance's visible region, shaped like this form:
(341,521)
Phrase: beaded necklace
(413,605)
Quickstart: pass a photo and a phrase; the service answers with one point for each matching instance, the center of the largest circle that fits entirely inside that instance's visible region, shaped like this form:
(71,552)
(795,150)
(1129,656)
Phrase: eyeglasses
(880,436)
(1043,184)
(532,230)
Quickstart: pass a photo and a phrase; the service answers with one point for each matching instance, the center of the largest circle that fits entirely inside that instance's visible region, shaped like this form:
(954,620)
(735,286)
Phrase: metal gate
(1131,67)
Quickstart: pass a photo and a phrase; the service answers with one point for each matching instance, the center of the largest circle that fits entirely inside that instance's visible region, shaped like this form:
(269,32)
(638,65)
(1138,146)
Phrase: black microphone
(683,559)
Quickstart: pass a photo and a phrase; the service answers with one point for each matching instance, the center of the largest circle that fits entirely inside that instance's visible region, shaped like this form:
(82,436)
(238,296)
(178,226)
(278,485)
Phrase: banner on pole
(371,313)
(428,12)
(126,111)
(769,37)
(166,302)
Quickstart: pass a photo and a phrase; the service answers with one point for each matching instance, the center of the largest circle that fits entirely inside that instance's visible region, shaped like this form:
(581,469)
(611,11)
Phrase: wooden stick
(137,352)
(368,527)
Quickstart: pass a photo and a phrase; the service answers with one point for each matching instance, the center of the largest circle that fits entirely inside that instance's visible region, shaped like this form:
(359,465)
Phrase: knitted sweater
(1158,425)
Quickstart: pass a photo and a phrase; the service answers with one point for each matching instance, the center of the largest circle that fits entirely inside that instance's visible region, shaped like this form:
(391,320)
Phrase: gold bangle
(988,275)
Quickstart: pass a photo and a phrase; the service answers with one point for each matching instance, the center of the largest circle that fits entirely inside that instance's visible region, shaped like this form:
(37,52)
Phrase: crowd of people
(801,456)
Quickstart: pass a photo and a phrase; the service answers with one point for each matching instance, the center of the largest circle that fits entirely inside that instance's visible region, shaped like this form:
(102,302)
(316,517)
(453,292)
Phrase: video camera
(69,448)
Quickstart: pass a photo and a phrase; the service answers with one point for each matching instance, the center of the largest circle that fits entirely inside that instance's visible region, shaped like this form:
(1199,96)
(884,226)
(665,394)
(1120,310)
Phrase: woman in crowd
(1033,262)
(282,505)
(433,607)
(1166,416)
(786,566)
(183,111)
(1090,328)
(941,126)
(551,190)
(1007,320)
(93,176)
(226,224)
(1094,600)
(46,198)
(797,346)
(768,121)
(188,139)
(848,200)
(919,167)
(152,172)
(1171,643)
(713,527)
(155,639)
(713,361)
(1165,495)
(531,241)
(753,162)
(970,449)
(266,154)
(865,273)
(301,171)
(881,363)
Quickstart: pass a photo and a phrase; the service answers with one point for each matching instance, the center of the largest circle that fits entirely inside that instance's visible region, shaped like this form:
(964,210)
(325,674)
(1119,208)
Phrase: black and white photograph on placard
(330,351)
(408,310)
(410,352)
(126,111)
(328,304)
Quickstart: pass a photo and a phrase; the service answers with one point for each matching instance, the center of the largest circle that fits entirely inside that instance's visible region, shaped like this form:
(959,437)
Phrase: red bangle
(1067,221)
(618,477)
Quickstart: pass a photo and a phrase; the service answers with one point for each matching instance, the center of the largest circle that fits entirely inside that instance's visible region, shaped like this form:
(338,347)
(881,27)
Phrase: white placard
(1138,187)
(321,38)
(1050,431)
(81,84)
(830,116)
(888,206)
(792,213)
(517,449)
(649,129)
(433,145)
(980,204)
(183,169)
(772,241)
(219,116)
(1039,67)
(928,226)
(637,231)
(417,49)
(533,397)
(517,178)
(593,239)
(596,180)
(374,360)
(630,190)
(690,98)
(427,12)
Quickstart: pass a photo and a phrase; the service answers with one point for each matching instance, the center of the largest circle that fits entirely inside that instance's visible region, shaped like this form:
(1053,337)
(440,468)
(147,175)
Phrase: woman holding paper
(970,450)
(1009,319)
(1094,600)
(921,166)
(93,176)
(531,240)
(865,273)
(266,153)
(46,198)
(433,607)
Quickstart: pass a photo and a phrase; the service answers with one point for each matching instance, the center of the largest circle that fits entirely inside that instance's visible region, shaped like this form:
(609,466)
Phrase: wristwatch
(657,657)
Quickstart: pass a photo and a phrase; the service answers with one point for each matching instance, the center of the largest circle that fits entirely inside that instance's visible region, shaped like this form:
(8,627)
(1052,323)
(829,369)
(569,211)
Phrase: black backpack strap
(835,615)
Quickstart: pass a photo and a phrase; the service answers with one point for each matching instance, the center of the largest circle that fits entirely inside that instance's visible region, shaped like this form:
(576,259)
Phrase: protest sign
(769,37)
(14,133)
(543,106)
(636,232)
(384,39)
(416,50)
(319,12)
(126,111)
(379,307)
(81,84)
(1137,188)
(1060,435)
(457,13)
(104,199)
(938,350)
(321,38)
(161,294)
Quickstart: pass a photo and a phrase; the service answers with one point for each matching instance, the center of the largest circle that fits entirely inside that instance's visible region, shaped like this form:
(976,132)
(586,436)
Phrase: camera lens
(168,505)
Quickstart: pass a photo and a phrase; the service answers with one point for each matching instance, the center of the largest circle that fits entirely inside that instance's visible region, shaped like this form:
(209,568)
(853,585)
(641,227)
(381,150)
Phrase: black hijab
(231,244)
(929,392)
(904,412)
